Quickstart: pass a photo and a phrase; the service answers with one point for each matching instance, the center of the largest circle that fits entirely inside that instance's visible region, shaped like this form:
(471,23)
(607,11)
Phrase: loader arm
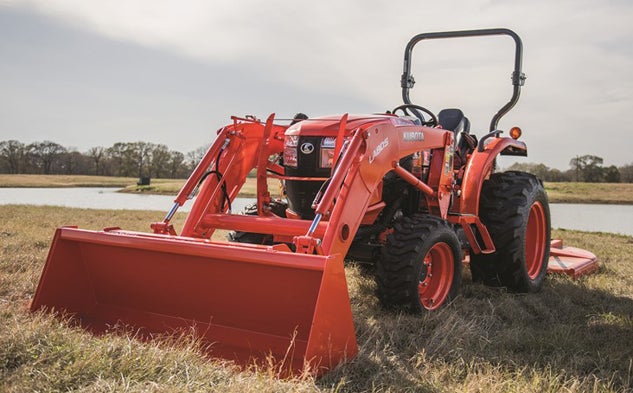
(238,149)
(374,150)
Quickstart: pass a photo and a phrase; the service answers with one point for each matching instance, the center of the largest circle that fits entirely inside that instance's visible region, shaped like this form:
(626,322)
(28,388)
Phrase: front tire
(420,266)
(515,209)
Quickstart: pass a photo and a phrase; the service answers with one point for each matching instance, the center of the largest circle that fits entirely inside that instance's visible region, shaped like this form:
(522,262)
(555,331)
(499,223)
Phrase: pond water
(593,217)
(584,217)
(97,198)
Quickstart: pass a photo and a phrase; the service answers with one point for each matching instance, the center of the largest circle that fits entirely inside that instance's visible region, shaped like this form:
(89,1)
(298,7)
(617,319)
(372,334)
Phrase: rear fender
(479,168)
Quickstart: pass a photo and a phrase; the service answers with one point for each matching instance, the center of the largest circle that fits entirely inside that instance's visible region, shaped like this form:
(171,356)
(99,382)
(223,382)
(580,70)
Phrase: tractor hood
(329,125)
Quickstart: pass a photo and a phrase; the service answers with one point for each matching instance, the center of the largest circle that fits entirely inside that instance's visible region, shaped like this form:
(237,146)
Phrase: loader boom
(373,148)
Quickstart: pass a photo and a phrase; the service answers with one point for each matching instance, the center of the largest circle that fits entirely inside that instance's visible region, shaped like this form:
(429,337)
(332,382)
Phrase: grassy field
(127,184)
(49,181)
(614,193)
(575,336)
(172,186)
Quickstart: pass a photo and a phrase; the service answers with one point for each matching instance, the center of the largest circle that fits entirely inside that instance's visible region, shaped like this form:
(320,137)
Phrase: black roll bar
(518,77)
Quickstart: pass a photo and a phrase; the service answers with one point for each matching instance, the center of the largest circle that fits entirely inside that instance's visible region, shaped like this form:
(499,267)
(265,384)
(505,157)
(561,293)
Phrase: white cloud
(577,53)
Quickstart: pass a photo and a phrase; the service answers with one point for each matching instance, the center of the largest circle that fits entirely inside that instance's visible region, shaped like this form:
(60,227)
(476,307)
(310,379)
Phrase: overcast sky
(92,73)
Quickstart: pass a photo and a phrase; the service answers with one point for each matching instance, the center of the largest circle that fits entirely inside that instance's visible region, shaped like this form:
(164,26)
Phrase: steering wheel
(415,108)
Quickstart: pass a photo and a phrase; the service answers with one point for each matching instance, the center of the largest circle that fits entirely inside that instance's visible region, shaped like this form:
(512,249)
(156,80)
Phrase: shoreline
(558,192)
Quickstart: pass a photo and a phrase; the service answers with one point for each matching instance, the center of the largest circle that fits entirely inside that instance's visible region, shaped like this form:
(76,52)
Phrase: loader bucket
(251,304)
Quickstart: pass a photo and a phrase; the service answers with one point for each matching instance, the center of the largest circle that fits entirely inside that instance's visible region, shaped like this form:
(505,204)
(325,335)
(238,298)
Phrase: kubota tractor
(413,192)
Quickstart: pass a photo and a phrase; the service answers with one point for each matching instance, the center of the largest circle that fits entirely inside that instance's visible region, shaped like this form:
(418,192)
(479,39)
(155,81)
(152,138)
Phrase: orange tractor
(410,191)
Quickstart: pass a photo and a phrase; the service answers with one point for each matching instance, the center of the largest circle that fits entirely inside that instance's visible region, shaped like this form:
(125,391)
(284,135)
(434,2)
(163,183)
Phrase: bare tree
(72,162)
(115,155)
(611,174)
(177,166)
(140,152)
(159,161)
(194,156)
(588,167)
(97,154)
(12,153)
(45,155)
(626,173)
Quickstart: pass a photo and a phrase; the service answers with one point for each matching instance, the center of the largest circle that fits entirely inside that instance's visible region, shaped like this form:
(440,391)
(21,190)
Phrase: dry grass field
(575,336)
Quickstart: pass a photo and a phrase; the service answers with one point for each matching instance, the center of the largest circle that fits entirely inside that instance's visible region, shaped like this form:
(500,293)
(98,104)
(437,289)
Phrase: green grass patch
(157,186)
(608,193)
(173,186)
(54,181)
(574,336)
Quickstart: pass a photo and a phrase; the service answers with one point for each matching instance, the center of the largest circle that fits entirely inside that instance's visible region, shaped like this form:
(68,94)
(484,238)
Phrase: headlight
(290,150)
(327,152)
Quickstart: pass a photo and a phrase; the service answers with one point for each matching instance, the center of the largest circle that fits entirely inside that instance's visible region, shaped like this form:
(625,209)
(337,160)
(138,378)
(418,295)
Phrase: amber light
(515,132)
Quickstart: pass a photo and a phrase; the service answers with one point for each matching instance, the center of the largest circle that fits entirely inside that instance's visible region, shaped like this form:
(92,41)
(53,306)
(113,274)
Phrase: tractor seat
(454,120)
(465,143)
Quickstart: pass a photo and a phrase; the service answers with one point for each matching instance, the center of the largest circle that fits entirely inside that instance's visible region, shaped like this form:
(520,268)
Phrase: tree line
(587,168)
(144,159)
(127,159)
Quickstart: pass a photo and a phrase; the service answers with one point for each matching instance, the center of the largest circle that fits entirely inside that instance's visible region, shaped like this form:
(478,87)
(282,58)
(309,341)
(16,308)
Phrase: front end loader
(414,193)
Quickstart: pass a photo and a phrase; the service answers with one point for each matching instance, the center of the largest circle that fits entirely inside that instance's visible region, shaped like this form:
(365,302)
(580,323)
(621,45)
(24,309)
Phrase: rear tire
(515,210)
(277,207)
(420,266)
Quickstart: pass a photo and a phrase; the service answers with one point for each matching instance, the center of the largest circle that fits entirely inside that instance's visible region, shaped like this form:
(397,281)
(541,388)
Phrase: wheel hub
(424,271)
